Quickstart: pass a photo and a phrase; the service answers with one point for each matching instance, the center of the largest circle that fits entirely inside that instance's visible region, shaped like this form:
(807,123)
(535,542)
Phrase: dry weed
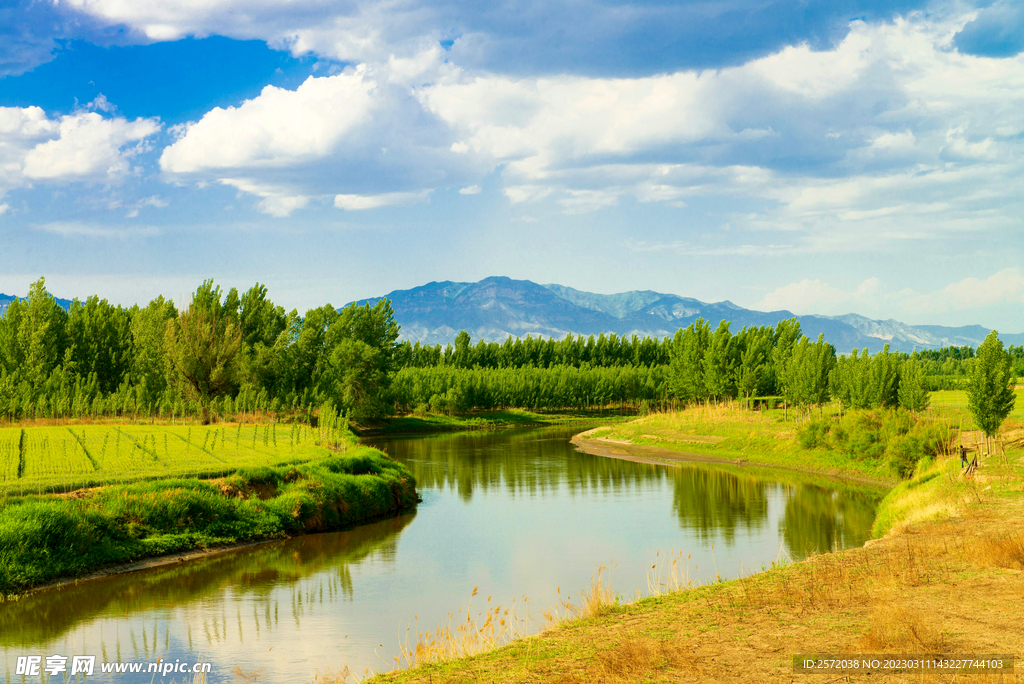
(636,658)
(1003,552)
(251,677)
(899,628)
(332,677)
(465,635)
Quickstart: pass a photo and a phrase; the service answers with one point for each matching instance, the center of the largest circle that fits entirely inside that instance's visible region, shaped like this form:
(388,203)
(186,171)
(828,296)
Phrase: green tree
(990,395)
(720,364)
(686,368)
(913,394)
(202,347)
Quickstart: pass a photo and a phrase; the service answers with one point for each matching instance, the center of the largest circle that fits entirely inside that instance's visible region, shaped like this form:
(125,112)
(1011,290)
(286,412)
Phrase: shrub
(903,453)
(814,434)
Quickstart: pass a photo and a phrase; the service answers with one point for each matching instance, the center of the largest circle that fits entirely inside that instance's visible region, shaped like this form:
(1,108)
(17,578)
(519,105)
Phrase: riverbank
(592,442)
(947,585)
(483,420)
(51,538)
(729,434)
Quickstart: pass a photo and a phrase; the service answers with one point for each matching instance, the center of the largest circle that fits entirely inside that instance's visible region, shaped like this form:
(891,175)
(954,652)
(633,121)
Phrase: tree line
(222,352)
(229,353)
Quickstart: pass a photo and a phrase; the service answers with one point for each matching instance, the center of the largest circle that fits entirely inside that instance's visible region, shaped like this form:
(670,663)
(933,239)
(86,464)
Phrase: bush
(903,453)
(814,434)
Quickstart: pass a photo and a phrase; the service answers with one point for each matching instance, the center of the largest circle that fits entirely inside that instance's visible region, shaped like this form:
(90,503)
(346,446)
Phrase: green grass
(61,459)
(934,492)
(954,403)
(740,435)
(43,538)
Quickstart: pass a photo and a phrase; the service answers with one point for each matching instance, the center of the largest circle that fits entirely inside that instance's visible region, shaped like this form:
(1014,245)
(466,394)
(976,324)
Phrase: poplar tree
(990,395)
(913,394)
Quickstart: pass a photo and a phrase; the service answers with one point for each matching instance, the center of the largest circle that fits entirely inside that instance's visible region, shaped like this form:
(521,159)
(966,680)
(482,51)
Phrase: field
(37,460)
(954,402)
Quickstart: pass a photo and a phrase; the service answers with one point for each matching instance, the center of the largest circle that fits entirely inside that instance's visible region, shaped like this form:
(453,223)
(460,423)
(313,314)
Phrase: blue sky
(824,157)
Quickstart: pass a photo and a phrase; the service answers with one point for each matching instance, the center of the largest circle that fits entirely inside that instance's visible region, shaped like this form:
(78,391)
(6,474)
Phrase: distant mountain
(5,301)
(497,307)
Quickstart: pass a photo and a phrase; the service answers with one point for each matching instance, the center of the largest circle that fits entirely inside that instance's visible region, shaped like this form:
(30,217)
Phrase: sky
(818,156)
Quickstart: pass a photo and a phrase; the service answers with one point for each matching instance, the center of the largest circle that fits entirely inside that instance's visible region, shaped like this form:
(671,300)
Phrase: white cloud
(1006,286)
(84,146)
(76,229)
(152,201)
(470,190)
(920,141)
(278,128)
(89,147)
(355,135)
(966,296)
(362,202)
(276,201)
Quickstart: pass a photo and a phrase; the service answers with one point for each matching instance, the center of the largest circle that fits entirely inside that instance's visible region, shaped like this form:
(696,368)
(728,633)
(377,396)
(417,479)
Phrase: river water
(521,515)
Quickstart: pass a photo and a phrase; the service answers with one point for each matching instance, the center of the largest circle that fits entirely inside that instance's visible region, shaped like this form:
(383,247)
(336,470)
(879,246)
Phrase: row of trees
(448,389)
(241,352)
(96,358)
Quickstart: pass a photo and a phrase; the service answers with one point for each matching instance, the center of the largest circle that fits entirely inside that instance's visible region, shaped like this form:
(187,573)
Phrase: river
(519,514)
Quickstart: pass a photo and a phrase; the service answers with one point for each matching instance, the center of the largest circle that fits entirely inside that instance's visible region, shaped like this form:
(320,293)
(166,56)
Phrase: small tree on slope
(990,395)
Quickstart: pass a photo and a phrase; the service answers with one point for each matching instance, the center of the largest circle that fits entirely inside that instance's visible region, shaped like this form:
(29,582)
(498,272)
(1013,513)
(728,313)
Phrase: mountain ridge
(497,307)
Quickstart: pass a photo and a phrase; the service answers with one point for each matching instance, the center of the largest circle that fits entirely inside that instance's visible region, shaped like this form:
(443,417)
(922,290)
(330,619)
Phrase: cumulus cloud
(964,296)
(1006,286)
(278,128)
(89,147)
(356,138)
(84,146)
(815,296)
(890,131)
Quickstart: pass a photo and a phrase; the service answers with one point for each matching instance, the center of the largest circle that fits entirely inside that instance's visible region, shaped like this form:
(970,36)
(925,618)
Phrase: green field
(35,460)
(955,401)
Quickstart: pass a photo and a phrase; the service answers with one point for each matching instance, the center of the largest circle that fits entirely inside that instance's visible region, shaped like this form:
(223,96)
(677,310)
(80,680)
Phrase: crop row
(39,459)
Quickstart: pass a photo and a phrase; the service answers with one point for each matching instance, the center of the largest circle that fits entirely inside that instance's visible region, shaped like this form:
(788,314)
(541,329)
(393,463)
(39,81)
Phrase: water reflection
(711,500)
(252,573)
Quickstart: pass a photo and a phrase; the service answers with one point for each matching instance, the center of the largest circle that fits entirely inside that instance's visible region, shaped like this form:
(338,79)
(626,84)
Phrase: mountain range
(497,307)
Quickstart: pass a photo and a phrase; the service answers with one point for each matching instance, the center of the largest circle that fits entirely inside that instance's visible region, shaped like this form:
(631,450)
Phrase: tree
(753,373)
(202,347)
(720,364)
(990,395)
(686,368)
(913,394)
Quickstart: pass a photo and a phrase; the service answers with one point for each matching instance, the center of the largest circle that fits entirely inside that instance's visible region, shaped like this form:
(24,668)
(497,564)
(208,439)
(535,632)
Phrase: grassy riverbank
(48,537)
(732,434)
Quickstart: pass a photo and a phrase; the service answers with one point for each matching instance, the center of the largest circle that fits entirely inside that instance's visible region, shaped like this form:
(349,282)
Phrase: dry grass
(467,633)
(902,629)
(332,676)
(636,658)
(1003,552)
